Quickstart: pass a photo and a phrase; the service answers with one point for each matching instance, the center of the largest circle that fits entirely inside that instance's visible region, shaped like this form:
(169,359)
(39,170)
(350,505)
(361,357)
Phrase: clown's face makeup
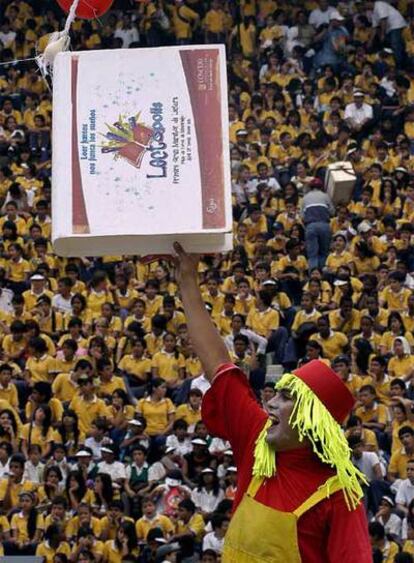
(281,435)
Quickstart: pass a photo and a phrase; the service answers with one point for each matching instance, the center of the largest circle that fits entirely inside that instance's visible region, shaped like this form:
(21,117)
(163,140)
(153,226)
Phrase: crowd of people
(103,453)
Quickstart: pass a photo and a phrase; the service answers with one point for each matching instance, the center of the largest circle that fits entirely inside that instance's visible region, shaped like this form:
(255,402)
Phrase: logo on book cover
(129,139)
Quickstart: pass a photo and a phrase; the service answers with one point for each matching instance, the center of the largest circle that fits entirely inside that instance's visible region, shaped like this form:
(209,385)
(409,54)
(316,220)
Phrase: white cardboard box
(141,151)
(339,182)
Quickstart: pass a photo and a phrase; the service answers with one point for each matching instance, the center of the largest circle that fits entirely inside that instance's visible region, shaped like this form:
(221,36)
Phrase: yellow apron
(258,533)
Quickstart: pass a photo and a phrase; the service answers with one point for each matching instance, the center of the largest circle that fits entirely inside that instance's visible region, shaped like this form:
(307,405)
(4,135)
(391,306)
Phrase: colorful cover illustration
(128,139)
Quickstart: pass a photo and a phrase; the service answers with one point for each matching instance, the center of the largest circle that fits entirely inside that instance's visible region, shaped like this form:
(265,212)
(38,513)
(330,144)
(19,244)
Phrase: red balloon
(87,9)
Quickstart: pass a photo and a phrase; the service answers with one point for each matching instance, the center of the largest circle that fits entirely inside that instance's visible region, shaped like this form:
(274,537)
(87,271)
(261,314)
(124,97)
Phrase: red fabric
(329,387)
(326,533)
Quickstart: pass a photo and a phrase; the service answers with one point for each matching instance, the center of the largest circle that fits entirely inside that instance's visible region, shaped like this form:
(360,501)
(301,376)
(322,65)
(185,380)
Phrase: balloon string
(18,61)
(71,16)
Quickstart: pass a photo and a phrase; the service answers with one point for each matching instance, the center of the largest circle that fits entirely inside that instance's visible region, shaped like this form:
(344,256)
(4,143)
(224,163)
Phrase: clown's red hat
(328,387)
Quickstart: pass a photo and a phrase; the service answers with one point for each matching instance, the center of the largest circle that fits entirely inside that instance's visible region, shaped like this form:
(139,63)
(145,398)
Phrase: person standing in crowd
(317,210)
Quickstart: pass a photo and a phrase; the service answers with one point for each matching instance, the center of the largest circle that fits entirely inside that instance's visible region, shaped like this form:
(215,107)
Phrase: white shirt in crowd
(6,296)
(61,304)
(139,470)
(116,470)
(95,447)
(211,541)
(367,463)
(319,17)
(254,182)
(358,114)
(206,501)
(405,493)
(7,38)
(252,336)
(181,448)
(156,472)
(33,473)
(218,446)
(4,469)
(392,526)
(128,36)
(201,383)
(382,11)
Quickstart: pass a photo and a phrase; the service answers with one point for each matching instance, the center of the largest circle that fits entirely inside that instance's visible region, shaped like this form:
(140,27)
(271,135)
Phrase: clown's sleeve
(231,412)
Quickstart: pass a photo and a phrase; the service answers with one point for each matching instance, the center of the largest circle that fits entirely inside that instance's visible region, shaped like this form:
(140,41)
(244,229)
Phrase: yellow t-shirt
(111,554)
(19,526)
(145,322)
(301,264)
(30,298)
(215,21)
(41,369)
(399,367)
(15,490)
(144,525)
(18,271)
(48,553)
(195,525)
(4,525)
(55,407)
(63,387)
(95,300)
(87,411)
(185,412)
(13,347)
(255,228)
(398,463)
(396,444)
(51,324)
(354,383)
(152,306)
(177,320)
(302,317)
(387,341)
(378,413)
(154,343)
(111,529)
(33,434)
(10,395)
(263,322)
(352,324)
(156,414)
(333,345)
(335,261)
(408,546)
(65,366)
(72,528)
(168,365)
(183,19)
(216,302)
(138,367)
(108,387)
(193,367)
(396,301)
(125,300)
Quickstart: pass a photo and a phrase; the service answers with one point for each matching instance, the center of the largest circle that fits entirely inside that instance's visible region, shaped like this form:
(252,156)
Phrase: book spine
(80,223)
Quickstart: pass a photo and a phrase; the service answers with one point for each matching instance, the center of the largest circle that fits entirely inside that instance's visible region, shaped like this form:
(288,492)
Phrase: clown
(298,496)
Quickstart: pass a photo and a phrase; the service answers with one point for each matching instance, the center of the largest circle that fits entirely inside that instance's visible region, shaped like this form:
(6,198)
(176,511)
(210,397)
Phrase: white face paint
(281,435)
